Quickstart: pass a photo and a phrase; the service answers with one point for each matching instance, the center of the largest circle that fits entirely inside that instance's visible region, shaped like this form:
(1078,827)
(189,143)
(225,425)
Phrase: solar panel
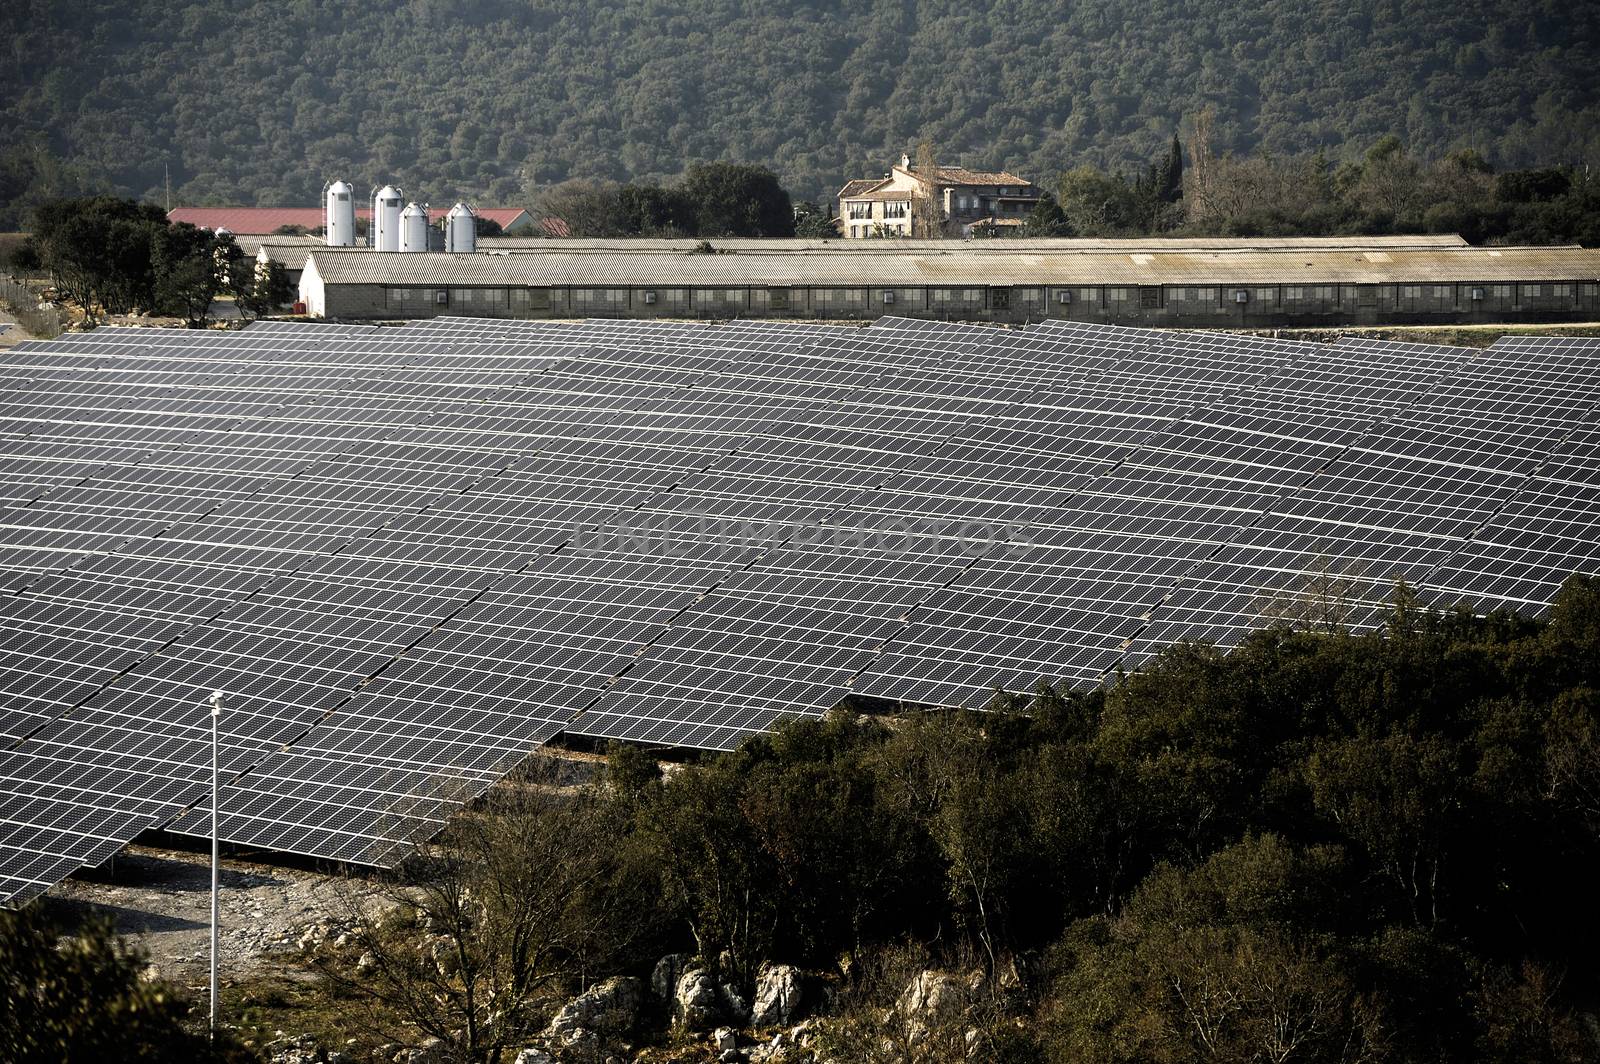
(1398,503)
(1520,556)
(594,609)
(413,554)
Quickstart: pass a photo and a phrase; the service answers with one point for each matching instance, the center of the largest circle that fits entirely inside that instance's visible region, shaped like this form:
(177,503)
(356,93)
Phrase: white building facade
(967,199)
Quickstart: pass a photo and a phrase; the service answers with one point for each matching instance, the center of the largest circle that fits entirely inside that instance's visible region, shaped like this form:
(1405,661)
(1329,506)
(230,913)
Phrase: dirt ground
(11,333)
(161,900)
(1459,335)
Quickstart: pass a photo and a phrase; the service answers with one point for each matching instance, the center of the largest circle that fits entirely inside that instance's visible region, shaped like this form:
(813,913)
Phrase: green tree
(82,998)
(714,871)
(812,220)
(1097,204)
(1046,219)
(1531,186)
(258,288)
(647,210)
(1220,963)
(1399,799)
(187,273)
(1168,175)
(99,251)
(736,199)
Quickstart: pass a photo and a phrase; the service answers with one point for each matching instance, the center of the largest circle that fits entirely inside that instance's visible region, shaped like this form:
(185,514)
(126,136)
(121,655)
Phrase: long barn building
(1178,283)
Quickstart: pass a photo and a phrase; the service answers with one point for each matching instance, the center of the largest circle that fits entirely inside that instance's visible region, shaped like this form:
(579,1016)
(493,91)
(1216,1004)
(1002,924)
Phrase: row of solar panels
(410,555)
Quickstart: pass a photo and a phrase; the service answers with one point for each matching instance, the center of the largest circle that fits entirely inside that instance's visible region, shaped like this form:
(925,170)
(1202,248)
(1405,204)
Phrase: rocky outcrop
(611,1009)
(936,999)
(779,996)
(431,1051)
(792,1046)
(579,1046)
(534,1056)
(297,1049)
(735,1009)
(696,1001)
(664,979)
(589,1027)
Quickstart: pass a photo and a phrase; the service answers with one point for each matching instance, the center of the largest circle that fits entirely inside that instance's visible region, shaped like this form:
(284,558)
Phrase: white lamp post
(216,714)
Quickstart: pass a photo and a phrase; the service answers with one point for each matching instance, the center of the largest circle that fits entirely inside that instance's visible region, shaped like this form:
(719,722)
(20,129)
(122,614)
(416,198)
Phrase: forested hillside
(262,102)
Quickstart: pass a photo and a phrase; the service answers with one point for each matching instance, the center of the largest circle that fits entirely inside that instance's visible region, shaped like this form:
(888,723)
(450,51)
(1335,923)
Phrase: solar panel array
(411,555)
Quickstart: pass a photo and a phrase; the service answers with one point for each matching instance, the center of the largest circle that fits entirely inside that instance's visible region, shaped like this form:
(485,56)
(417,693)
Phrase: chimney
(905,161)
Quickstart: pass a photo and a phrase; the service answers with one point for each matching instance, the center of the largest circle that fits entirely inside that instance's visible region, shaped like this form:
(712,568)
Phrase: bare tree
(1388,180)
(1324,602)
(1573,761)
(1197,196)
(927,208)
(1240,995)
(583,208)
(470,940)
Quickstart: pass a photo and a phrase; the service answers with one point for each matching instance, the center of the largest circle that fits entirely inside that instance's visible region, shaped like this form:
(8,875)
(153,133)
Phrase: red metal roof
(260,221)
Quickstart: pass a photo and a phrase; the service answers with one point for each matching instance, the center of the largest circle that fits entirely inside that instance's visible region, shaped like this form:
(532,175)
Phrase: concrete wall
(1190,306)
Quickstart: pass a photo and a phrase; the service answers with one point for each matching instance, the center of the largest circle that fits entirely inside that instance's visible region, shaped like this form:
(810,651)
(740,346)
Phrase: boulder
(298,1049)
(696,1003)
(534,1056)
(787,1047)
(608,1008)
(935,995)
(734,1007)
(724,1039)
(778,996)
(442,950)
(770,1050)
(580,1046)
(664,979)
(431,1051)
(932,999)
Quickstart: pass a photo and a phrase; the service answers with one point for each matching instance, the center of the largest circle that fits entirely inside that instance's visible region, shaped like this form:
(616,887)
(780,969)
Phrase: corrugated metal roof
(289,250)
(900,245)
(260,221)
(292,250)
(960,266)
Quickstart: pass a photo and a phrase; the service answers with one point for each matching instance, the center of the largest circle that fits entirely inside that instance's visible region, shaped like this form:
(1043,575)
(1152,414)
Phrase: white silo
(414,228)
(385,222)
(339,215)
(461,230)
